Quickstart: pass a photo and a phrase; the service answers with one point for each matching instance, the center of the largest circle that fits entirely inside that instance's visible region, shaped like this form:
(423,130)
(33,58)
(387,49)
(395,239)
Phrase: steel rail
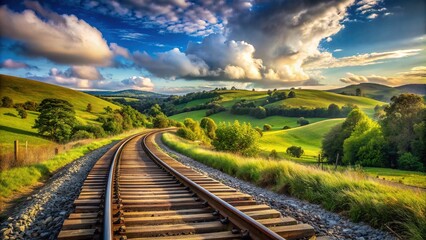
(248,226)
(107,224)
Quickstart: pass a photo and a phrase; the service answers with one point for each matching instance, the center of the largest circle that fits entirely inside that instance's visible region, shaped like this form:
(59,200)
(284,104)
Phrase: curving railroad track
(135,191)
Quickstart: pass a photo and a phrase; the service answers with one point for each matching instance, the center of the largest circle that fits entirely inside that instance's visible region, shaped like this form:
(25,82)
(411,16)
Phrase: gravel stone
(41,215)
(325,223)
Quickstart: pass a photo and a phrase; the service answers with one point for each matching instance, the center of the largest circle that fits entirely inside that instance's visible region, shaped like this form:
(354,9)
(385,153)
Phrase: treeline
(249,108)
(21,108)
(57,120)
(397,139)
(175,99)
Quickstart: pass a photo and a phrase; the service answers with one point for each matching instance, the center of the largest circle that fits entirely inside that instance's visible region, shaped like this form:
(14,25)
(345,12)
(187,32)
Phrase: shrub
(259,131)
(273,154)
(114,124)
(22,113)
(267,127)
(295,151)
(186,133)
(6,102)
(82,134)
(209,127)
(96,130)
(258,112)
(30,106)
(160,121)
(408,161)
(286,127)
(302,121)
(89,107)
(291,94)
(236,137)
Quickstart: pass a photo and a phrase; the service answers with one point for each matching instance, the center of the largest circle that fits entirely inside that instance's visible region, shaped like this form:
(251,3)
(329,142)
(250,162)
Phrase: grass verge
(15,179)
(349,193)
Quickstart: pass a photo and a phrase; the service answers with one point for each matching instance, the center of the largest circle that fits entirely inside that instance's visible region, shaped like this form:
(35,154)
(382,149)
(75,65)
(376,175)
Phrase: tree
(7,102)
(286,127)
(402,115)
(258,112)
(267,127)
(30,106)
(114,123)
(155,110)
(365,146)
(236,137)
(273,154)
(89,107)
(295,151)
(56,119)
(333,110)
(358,92)
(233,88)
(161,121)
(108,109)
(209,127)
(332,143)
(302,121)
(22,113)
(291,94)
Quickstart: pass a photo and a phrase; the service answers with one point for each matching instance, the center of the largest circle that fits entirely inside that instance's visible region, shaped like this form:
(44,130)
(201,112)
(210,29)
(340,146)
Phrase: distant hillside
(129,93)
(381,92)
(22,90)
(413,88)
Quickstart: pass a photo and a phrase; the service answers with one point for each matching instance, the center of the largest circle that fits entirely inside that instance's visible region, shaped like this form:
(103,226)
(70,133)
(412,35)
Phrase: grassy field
(12,127)
(277,122)
(22,90)
(349,193)
(308,137)
(193,103)
(416,179)
(15,180)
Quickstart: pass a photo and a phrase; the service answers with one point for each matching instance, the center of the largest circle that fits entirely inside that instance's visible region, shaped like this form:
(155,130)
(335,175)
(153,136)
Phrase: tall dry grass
(350,193)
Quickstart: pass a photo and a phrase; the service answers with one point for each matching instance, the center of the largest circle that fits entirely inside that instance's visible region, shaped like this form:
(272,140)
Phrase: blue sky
(180,46)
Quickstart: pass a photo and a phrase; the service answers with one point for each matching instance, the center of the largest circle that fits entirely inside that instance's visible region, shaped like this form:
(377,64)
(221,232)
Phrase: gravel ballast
(42,214)
(325,223)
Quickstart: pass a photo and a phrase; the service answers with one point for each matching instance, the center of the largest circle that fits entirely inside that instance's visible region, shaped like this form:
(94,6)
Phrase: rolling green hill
(308,137)
(129,93)
(12,127)
(381,92)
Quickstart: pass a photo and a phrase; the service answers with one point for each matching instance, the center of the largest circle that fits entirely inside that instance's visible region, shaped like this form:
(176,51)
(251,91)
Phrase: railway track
(135,191)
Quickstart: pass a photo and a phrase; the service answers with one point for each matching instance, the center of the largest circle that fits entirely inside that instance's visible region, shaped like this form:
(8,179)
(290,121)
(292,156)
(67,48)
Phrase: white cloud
(77,80)
(367,4)
(60,38)
(373,16)
(119,51)
(12,64)
(338,50)
(326,60)
(414,75)
(84,72)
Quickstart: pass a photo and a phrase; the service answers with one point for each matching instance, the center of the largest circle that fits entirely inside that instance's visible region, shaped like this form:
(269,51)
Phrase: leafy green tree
(236,137)
(295,151)
(56,119)
(22,113)
(267,127)
(161,121)
(358,92)
(402,116)
(113,123)
(366,145)
(332,143)
(302,121)
(6,102)
(108,109)
(209,127)
(258,112)
(291,94)
(89,107)
(408,161)
(333,110)
(155,110)
(30,106)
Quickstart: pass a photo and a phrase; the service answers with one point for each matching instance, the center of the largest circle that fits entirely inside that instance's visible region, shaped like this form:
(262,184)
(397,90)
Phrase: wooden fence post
(16,150)
(337,160)
(56,151)
(26,150)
